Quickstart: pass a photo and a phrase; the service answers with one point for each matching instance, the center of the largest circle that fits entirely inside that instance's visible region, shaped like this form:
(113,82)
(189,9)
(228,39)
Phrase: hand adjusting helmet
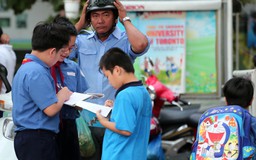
(100,5)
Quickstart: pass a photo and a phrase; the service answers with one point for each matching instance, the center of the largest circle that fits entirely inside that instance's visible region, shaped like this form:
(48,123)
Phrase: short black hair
(238,91)
(116,57)
(49,35)
(67,23)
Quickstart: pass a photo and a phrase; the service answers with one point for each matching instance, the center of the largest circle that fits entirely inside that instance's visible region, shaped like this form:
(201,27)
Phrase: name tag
(71,73)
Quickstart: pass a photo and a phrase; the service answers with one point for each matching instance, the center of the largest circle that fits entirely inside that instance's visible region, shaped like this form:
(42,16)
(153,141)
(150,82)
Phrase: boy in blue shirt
(36,105)
(127,131)
(219,134)
(74,79)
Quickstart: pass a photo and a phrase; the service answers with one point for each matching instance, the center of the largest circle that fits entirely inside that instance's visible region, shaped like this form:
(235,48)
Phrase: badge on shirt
(71,73)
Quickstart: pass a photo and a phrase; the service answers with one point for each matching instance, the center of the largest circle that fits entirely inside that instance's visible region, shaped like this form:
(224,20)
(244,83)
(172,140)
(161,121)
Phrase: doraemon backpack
(223,134)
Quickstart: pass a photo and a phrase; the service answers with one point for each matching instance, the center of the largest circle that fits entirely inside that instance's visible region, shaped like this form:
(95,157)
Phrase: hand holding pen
(64,93)
(59,86)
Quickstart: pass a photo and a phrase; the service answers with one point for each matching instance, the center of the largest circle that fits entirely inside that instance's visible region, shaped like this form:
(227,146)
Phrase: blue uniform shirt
(32,91)
(89,51)
(74,79)
(131,112)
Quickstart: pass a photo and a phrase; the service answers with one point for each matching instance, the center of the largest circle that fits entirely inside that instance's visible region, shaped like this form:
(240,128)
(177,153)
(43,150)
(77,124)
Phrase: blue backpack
(223,133)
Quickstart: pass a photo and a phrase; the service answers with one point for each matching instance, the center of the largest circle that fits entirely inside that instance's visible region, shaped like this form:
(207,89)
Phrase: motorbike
(6,139)
(173,117)
(179,129)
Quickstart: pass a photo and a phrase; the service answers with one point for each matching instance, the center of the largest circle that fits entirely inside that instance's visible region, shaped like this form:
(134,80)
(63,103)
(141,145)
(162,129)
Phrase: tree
(19,6)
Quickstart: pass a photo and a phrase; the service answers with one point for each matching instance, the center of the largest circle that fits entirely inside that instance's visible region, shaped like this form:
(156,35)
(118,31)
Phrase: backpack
(223,133)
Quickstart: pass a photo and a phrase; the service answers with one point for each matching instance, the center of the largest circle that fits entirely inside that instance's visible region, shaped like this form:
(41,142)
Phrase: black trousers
(36,145)
(68,141)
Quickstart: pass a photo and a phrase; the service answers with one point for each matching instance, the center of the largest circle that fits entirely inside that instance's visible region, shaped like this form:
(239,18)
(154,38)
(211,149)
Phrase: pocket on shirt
(88,57)
(72,82)
(87,52)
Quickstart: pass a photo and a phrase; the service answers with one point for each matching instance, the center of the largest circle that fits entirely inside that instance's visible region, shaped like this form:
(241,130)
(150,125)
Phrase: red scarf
(25,60)
(54,75)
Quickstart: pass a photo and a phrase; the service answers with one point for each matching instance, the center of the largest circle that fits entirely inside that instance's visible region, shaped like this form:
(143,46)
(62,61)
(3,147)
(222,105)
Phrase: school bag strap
(248,147)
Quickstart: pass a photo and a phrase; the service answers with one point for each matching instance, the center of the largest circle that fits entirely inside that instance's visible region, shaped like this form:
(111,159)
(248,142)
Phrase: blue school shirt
(74,79)
(89,51)
(131,112)
(32,91)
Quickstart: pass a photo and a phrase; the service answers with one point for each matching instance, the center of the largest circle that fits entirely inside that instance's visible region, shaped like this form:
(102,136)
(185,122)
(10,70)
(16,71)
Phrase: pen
(59,86)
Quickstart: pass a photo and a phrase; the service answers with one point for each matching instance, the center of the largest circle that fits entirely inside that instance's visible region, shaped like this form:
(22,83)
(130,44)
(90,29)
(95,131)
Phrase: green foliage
(19,6)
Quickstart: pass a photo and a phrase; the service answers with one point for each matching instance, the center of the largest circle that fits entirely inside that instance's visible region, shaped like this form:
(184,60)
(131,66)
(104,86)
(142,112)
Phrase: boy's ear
(52,51)
(118,69)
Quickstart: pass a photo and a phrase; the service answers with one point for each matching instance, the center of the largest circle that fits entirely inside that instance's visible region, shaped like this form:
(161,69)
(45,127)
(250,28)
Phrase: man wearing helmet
(103,16)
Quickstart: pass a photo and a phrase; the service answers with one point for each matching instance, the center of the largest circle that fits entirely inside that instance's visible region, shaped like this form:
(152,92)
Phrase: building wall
(21,26)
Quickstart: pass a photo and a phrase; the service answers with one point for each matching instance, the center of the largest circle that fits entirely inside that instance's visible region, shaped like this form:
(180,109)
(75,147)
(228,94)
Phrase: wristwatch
(126,19)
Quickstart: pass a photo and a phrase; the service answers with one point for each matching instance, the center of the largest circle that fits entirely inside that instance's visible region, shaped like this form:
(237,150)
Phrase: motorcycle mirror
(3,77)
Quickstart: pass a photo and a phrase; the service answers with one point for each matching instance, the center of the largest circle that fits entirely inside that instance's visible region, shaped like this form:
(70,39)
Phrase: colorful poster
(166,31)
(166,56)
(182,51)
